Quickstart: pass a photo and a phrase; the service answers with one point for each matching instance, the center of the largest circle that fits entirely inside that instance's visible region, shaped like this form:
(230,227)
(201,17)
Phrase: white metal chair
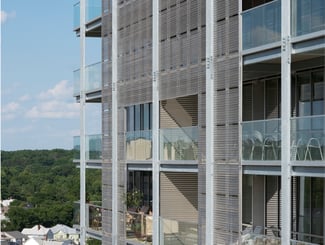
(313,143)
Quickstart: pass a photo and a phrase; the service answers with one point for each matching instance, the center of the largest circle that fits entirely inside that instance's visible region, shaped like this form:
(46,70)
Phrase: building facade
(213,121)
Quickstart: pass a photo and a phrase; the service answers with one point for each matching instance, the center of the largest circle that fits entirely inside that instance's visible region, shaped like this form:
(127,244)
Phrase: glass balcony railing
(261,140)
(76,83)
(307,16)
(262,25)
(93,11)
(178,232)
(93,215)
(139,145)
(76,15)
(138,227)
(93,147)
(179,143)
(270,235)
(308,138)
(93,78)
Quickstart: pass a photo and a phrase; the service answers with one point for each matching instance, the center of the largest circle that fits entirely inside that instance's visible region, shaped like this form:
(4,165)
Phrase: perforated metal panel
(226,134)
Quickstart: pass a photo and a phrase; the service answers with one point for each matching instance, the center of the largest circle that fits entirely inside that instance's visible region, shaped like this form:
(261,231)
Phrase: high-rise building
(213,121)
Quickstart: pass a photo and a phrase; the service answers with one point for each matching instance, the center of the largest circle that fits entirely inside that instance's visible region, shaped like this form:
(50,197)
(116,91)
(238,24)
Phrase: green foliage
(91,241)
(45,185)
(133,198)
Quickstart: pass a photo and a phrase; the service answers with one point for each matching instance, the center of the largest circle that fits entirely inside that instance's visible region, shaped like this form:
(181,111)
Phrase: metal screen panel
(179,191)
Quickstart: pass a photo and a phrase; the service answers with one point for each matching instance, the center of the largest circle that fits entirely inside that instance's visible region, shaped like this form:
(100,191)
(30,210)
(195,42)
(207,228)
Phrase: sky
(39,52)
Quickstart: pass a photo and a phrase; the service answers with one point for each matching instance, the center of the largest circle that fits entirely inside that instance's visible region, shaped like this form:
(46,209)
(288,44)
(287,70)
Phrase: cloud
(24,98)
(9,111)
(59,91)
(5,16)
(54,109)
(55,103)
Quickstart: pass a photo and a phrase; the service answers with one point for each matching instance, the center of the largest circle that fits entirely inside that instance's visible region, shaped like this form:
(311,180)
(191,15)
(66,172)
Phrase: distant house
(14,237)
(63,233)
(39,232)
(37,241)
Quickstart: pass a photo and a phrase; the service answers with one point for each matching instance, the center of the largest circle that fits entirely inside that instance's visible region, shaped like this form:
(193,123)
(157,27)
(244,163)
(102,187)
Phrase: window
(138,117)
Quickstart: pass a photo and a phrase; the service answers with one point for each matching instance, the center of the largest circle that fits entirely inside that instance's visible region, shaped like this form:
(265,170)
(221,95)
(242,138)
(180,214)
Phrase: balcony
(93,147)
(308,16)
(269,235)
(262,25)
(139,145)
(93,81)
(138,227)
(93,215)
(178,232)
(308,138)
(261,140)
(93,18)
(179,143)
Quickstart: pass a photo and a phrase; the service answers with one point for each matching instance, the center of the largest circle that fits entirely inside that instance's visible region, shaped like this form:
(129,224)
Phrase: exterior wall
(183,65)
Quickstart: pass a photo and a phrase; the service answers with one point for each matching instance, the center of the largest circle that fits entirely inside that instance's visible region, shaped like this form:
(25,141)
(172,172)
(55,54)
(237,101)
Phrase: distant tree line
(45,185)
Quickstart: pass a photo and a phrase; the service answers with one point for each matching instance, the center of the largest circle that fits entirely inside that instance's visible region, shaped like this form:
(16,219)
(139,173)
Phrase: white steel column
(82,124)
(115,196)
(155,122)
(285,122)
(209,212)
(240,116)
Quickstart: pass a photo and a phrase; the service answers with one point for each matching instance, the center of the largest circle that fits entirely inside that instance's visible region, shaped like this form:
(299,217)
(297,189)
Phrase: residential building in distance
(213,121)
(38,232)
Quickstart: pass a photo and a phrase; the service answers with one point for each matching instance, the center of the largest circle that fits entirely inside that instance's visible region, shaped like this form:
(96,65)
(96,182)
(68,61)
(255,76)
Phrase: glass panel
(179,143)
(93,77)
(262,25)
(137,118)
(138,226)
(130,118)
(76,15)
(311,210)
(178,232)
(76,147)
(93,147)
(308,138)
(307,16)
(146,116)
(138,145)
(247,199)
(93,9)
(317,211)
(94,217)
(76,83)
(261,140)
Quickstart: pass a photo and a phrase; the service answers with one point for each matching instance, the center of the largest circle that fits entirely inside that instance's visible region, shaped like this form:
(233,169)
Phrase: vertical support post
(115,196)
(285,122)
(240,116)
(82,123)
(210,116)
(155,122)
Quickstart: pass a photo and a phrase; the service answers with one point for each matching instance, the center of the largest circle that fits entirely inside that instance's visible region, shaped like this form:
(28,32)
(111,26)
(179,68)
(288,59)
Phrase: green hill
(45,185)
